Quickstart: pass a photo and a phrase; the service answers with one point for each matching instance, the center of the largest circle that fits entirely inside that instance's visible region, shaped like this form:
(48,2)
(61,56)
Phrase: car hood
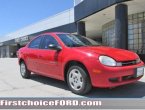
(117,54)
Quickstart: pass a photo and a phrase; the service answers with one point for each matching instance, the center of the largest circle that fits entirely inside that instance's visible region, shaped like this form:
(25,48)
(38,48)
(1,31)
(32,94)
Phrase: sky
(16,14)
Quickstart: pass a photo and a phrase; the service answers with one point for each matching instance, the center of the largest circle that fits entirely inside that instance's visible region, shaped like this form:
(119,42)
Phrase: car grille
(128,63)
(121,79)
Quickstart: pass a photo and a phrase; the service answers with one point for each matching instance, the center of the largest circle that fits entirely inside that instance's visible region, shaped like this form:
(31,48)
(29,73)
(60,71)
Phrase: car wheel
(25,73)
(78,80)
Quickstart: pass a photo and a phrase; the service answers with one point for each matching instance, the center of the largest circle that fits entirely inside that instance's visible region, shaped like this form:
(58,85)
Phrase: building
(115,23)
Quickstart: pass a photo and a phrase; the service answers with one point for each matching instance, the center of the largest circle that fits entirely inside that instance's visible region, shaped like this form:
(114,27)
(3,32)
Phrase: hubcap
(76,79)
(23,69)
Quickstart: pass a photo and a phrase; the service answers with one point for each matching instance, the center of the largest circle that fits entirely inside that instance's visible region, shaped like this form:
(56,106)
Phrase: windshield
(71,40)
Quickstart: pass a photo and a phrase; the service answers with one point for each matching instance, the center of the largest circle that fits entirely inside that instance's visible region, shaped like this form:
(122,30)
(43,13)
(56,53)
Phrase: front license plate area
(140,72)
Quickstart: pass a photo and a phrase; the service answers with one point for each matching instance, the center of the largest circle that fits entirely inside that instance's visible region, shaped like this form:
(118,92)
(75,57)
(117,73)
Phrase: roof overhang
(95,22)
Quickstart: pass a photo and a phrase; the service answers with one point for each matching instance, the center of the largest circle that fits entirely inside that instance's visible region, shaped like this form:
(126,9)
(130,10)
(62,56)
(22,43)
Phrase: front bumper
(108,77)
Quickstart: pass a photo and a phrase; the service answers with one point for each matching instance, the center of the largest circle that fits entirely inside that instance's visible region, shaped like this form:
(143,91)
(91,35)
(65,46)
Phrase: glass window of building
(136,33)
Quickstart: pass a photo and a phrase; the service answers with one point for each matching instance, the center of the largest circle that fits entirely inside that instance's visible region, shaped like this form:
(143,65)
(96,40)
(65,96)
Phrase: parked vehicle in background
(80,61)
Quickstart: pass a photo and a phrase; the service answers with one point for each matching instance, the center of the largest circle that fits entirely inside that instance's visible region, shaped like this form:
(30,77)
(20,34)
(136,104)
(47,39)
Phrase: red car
(79,61)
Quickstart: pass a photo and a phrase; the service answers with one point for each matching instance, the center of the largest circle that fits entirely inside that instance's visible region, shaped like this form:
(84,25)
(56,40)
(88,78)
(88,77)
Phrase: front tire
(78,80)
(25,73)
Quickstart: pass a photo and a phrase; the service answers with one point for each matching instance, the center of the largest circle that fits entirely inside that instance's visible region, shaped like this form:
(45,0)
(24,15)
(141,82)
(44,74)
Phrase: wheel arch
(21,60)
(73,62)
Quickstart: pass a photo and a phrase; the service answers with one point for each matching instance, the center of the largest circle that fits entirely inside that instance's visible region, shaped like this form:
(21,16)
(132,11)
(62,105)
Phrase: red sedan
(79,61)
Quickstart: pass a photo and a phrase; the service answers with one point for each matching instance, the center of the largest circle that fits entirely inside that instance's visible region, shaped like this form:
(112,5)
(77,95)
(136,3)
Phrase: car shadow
(49,81)
(134,90)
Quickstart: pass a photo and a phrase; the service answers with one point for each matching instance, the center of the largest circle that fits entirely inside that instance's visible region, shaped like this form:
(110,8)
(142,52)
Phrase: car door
(49,60)
(32,54)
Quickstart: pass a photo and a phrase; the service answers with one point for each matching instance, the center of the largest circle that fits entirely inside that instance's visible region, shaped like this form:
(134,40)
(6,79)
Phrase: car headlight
(108,61)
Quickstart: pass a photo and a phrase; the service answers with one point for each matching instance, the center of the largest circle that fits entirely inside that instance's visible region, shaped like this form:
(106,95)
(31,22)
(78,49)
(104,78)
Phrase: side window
(35,43)
(49,40)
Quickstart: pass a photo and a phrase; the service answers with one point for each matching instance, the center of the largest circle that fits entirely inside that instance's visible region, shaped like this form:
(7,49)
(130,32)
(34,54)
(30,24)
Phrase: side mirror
(54,47)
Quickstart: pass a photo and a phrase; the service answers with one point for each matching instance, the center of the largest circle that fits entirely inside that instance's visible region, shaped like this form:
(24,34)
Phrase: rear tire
(25,73)
(78,80)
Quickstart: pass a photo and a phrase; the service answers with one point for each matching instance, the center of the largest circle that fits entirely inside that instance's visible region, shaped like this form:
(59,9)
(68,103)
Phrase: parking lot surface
(12,85)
